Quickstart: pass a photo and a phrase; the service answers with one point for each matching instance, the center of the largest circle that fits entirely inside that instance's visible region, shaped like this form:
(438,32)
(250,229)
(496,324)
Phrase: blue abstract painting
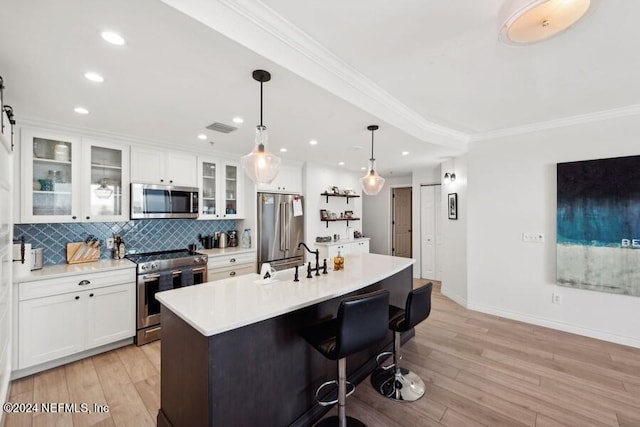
(598,225)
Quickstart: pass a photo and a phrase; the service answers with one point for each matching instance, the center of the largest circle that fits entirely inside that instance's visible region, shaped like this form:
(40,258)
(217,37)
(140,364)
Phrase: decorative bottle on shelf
(246,238)
(338,262)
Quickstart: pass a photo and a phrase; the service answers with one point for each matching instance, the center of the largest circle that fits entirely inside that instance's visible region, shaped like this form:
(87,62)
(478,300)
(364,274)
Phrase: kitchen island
(231,352)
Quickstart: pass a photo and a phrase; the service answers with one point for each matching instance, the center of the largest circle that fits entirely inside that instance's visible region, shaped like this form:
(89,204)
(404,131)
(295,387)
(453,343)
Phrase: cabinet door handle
(171,181)
(88,217)
(162,180)
(77,297)
(73,217)
(84,283)
(90,295)
(232,260)
(233,273)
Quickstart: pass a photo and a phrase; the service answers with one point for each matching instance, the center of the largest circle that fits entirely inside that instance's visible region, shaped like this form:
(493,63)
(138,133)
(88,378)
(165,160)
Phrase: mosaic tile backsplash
(139,236)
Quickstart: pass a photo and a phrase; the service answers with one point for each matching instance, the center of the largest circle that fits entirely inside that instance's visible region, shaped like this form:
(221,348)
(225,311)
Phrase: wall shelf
(340,219)
(348,196)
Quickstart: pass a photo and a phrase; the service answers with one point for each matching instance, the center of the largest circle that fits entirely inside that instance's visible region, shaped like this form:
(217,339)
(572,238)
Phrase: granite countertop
(341,241)
(62,270)
(216,307)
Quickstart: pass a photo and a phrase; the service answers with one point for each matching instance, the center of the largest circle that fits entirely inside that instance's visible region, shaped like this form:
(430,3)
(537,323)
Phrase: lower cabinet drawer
(225,273)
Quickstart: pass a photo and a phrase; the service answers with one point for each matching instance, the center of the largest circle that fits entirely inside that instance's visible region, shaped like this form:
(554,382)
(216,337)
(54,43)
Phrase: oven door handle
(149,277)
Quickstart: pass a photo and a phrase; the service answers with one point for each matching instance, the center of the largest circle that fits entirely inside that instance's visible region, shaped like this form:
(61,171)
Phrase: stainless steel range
(159,271)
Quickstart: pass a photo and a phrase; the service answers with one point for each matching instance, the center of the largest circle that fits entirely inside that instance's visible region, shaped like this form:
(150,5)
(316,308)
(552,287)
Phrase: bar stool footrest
(384,354)
(333,402)
(335,422)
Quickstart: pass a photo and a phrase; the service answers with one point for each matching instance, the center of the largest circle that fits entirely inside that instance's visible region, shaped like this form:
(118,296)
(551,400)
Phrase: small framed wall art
(324,215)
(452,205)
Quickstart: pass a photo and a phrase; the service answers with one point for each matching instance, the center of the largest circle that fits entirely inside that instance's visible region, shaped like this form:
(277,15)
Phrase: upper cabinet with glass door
(50,177)
(221,187)
(68,179)
(105,181)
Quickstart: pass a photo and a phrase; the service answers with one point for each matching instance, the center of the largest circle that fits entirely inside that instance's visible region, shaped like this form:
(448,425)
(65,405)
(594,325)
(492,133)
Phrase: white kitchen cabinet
(330,250)
(225,266)
(50,177)
(221,184)
(105,181)
(63,316)
(164,167)
(109,314)
(288,180)
(71,179)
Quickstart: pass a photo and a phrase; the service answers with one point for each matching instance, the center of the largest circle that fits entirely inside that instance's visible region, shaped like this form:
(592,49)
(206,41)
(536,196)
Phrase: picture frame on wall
(452,205)
(324,215)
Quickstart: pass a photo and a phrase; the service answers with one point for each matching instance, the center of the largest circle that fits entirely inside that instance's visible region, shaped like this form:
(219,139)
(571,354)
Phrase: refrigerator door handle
(282,218)
(287,218)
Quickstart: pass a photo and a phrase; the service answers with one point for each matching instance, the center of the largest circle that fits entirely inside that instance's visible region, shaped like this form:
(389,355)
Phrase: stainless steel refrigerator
(280,229)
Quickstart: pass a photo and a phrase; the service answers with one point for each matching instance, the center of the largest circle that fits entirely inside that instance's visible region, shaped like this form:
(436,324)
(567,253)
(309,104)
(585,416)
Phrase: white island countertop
(216,307)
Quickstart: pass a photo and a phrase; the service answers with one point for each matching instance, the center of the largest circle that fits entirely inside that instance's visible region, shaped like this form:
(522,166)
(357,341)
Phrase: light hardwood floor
(479,370)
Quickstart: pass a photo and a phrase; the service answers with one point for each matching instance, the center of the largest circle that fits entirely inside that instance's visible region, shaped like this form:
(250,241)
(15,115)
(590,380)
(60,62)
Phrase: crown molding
(85,132)
(259,28)
(631,110)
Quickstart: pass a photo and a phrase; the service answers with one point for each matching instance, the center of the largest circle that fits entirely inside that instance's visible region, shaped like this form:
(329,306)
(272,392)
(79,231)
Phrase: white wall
(454,232)
(512,189)
(376,222)
(423,176)
(316,179)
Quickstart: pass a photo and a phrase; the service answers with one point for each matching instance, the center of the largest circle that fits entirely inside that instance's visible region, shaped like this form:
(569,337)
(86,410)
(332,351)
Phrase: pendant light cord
(372,145)
(260,104)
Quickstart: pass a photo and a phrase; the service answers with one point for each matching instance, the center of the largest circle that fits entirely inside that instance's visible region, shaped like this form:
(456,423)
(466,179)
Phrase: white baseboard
(566,327)
(68,359)
(456,298)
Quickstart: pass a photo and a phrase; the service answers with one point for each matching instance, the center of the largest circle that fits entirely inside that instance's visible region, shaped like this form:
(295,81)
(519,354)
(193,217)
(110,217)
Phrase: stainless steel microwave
(163,201)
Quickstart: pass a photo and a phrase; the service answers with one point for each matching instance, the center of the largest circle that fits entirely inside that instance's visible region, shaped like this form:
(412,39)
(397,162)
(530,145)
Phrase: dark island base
(260,374)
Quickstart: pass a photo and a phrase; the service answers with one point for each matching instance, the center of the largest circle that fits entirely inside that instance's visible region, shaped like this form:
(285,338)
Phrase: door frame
(392,227)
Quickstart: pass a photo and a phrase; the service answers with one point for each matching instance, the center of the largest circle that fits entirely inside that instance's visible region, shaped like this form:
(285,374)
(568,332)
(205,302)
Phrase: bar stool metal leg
(399,383)
(342,420)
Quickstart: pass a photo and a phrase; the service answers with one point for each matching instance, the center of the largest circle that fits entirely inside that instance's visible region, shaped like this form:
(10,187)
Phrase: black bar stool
(392,381)
(361,322)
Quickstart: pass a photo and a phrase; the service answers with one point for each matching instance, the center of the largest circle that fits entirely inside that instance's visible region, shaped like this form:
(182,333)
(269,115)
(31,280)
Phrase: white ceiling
(431,73)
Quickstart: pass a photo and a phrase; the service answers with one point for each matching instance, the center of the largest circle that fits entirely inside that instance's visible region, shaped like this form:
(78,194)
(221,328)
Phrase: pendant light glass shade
(103,191)
(261,166)
(372,183)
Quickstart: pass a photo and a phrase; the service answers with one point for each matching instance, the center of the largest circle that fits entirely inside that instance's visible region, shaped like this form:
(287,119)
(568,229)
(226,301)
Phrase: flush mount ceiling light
(260,165)
(81,110)
(238,120)
(531,21)
(372,183)
(313,142)
(202,136)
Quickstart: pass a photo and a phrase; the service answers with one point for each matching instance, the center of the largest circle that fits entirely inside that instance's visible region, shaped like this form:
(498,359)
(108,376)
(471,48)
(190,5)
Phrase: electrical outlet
(556,298)
(533,237)
(110,243)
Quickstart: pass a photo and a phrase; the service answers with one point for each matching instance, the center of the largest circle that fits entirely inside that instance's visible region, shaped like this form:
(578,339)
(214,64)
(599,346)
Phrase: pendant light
(103,191)
(372,183)
(261,166)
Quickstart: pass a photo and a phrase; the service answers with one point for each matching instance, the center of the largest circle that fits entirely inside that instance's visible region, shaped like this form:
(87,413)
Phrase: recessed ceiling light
(404,153)
(94,77)
(238,120)
(202,136)
(363,168)
(283,150)
(341,163)
(81,110)
(313,142)
(112,38)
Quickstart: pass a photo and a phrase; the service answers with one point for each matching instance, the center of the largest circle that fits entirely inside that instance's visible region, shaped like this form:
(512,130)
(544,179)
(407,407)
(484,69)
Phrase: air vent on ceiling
(221,127)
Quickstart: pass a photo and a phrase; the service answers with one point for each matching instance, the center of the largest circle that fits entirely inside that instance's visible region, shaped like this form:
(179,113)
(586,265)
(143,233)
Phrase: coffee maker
(233,238)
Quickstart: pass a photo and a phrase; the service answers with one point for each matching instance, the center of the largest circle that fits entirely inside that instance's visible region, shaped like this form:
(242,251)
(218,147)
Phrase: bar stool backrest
(363,320)
(418,305)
